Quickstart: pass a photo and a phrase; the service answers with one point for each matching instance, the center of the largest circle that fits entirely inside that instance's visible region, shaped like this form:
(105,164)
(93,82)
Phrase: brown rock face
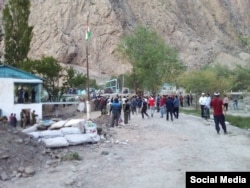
(200,30)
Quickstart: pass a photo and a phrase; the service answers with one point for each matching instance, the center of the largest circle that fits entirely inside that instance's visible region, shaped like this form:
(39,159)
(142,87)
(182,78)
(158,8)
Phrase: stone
(29,170)
(4,176)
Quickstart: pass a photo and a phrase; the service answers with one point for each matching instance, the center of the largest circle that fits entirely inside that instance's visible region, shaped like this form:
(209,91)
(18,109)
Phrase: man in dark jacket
(176,107)
(170,108)
(115,108)
(126,111)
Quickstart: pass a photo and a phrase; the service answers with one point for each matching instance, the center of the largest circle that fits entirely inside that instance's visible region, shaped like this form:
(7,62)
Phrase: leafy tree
(57,80)
(1,38)
(17,32)
(241,79)
(153,61)
(74,79)
(206,81)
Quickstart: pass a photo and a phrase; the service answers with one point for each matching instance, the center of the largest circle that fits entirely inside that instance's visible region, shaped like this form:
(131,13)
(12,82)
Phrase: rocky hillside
(203,31)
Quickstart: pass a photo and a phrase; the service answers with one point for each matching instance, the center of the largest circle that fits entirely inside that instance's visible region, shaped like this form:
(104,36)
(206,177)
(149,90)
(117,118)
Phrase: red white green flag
(88,33)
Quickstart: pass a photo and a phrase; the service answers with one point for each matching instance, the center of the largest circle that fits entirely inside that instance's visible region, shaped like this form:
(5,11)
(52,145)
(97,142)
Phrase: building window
(26,93)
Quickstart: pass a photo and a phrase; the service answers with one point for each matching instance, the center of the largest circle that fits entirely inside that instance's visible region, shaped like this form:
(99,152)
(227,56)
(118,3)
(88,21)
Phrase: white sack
(30,129)
(58,124)
(46,123)
(81,106)
(35,134)
(76,123)
(76,139)
(94,137)
(70,130)
(90,128)
(55,142)
(50,133)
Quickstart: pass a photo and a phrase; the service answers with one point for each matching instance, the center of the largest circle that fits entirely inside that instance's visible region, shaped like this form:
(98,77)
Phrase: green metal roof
(7,71)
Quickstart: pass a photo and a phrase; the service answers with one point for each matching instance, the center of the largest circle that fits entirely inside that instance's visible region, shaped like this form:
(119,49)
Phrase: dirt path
(149,153)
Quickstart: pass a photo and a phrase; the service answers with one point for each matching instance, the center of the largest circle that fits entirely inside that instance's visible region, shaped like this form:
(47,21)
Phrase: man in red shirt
(219,118)
(151,103)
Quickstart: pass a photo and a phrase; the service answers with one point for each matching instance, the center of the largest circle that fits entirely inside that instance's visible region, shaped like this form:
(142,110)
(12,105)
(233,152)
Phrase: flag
(88,33)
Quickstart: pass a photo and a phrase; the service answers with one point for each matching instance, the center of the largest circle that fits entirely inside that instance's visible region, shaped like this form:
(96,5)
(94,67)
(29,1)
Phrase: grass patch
(241,122)
(238,121)
(71,156)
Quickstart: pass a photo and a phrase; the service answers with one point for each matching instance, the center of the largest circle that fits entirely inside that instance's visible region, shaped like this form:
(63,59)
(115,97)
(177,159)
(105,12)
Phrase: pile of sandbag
(64,133)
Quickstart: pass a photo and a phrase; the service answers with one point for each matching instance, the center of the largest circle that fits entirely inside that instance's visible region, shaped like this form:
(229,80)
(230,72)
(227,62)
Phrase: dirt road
(148,153)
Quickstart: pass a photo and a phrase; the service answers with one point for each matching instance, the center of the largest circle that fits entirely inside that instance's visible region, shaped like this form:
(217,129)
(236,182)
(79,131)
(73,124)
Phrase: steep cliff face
(203,31)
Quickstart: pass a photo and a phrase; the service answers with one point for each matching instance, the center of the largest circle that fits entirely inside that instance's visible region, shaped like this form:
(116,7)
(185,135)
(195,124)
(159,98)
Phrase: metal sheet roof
(7,71)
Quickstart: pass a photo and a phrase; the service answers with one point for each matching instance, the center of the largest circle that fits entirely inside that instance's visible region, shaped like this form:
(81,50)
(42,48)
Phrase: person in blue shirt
(115,110)
(176,107)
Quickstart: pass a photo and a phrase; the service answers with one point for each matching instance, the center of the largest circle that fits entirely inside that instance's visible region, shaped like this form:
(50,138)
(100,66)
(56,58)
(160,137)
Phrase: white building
(19,90)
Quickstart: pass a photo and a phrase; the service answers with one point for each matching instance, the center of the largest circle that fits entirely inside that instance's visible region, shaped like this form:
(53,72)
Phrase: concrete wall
(7,104)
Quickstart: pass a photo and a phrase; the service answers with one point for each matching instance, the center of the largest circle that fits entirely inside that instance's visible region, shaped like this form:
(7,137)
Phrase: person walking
(134,105)
(235,103)
(151,103)
(144,107)
(176,102)
(207,107)
(219,118)
(115,110)
(225,102)
(162,105)
(169,108)
(202,102)
(158,98)
(126,111)
(14,121)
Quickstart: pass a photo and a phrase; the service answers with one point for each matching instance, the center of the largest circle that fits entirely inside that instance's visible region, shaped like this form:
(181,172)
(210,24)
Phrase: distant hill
(203,31)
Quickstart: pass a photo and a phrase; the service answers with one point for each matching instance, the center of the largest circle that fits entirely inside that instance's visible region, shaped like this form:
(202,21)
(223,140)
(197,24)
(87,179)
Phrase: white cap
(216,93)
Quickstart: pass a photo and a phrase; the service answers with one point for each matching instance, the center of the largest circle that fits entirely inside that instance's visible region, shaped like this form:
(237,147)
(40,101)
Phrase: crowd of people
(146,106)
(167,106)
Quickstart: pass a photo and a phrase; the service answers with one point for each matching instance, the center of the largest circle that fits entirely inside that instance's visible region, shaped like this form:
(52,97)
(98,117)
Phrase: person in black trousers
(144,107)
(170,108)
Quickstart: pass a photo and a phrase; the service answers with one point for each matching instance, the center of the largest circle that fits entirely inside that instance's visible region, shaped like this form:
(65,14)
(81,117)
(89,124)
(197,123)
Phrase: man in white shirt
(207,106)
(202,102)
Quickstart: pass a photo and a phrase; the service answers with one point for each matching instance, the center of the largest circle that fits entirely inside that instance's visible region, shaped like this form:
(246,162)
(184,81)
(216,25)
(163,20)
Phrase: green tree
(153,61)
(17,32)
(241,79)
(50,70)
(205,80)
(1,38)
(75,80)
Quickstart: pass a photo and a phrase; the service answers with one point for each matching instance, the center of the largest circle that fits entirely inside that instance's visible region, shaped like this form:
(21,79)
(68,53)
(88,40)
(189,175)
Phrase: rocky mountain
(203,31)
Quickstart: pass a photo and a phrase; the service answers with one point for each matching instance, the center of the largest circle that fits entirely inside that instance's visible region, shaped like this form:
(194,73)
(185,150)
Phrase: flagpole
(87,62)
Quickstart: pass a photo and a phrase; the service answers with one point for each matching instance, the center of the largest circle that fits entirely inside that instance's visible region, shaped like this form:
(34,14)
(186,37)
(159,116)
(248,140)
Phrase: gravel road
(148,153)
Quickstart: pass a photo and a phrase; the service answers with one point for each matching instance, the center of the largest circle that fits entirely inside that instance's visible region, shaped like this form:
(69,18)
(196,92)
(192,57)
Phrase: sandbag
(73,122)
(51,134)
(76,139)
(76,123)
(46,123)
(81,107)
(58,125)
(90,127)
(70,130)
(94,138)
(30,129)
(35,134)
(55,142)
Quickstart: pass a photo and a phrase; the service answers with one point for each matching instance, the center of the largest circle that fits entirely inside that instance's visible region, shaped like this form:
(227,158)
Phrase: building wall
(7,105)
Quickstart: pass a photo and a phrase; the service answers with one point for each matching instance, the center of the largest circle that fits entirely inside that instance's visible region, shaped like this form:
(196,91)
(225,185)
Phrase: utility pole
(87,37)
